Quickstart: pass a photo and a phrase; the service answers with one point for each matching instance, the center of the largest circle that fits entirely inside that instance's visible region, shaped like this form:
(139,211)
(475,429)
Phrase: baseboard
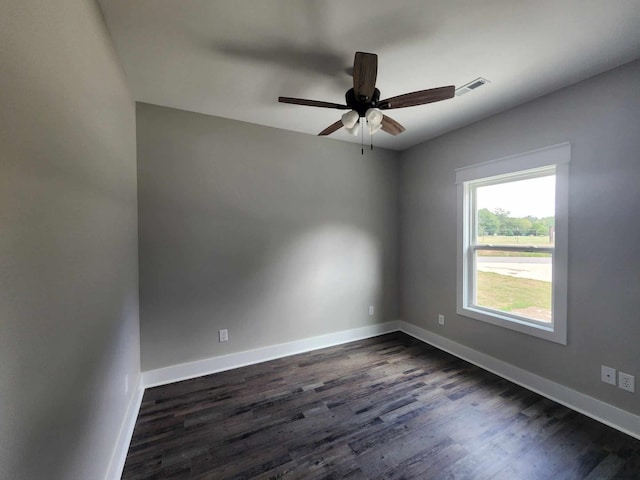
(185,371)
(119,455)
(598,410)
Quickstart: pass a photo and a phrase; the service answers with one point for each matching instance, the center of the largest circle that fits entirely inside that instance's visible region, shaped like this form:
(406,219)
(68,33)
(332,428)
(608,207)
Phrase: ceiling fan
(363,100)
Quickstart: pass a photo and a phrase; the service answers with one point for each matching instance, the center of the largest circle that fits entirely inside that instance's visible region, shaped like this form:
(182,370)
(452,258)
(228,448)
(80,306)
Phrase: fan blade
(389,125)
(365,71)
(418,98)
(331,128)
(312,103)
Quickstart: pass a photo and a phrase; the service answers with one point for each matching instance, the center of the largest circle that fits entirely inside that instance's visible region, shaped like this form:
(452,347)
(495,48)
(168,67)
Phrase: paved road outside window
(535,268)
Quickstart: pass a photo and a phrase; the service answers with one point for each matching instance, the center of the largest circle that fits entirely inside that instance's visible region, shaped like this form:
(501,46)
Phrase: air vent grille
(472,85)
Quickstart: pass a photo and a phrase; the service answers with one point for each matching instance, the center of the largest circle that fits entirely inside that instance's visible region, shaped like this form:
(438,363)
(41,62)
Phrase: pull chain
(362,137)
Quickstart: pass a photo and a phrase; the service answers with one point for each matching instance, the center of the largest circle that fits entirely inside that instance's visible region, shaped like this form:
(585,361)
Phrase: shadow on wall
(266,292)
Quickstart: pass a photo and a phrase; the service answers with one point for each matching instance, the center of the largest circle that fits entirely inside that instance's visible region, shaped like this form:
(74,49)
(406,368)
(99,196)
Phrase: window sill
(518,324)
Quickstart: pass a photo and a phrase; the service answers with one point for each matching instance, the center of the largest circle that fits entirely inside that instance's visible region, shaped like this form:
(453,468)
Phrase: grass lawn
(530,298)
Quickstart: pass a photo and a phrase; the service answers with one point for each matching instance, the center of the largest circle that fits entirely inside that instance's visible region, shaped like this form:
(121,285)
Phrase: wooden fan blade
(389,125)
(365,71)
(312,103)
(419,98)
(331,128)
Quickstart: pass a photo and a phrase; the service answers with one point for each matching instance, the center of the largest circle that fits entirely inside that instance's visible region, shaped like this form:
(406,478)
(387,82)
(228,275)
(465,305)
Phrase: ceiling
(234,58)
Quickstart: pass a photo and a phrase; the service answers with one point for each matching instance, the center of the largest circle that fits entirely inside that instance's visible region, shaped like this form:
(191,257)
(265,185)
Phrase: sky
(534,196)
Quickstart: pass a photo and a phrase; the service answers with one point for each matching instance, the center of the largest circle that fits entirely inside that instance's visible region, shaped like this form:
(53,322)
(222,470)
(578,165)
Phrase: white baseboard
(598,410)
(185,371)
(119,455)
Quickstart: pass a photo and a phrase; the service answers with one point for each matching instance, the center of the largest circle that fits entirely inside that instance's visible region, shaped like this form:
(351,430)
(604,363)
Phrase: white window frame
(496,171)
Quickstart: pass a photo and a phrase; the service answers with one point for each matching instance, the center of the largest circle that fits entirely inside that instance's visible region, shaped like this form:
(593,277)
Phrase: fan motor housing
(361,106)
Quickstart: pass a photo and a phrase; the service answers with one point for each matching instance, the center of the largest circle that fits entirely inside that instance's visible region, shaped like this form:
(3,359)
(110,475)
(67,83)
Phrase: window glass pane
(520,212)
(515,282)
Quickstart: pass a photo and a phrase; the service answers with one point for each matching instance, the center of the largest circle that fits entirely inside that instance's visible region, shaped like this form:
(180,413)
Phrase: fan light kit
(363,100)
(351,121)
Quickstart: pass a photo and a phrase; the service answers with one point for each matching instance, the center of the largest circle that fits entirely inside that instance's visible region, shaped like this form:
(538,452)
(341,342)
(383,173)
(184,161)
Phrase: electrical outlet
(223,335)
(626,381)
(608,375)
(126,383)
(441,319)
(371,309)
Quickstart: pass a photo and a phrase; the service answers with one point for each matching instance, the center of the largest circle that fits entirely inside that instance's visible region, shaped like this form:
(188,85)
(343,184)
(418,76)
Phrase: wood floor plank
(388,407)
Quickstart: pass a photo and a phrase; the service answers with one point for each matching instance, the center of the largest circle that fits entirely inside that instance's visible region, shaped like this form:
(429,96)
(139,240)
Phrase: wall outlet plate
(441,319)
(608,375)
(372,309)
(223,335)
(626,382)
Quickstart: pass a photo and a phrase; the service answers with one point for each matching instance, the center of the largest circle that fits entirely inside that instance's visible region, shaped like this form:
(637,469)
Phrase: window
(512,242)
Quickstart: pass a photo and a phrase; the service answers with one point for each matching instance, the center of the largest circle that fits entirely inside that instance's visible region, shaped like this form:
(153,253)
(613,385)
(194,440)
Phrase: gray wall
(274,235)
(68,244)
(601,119)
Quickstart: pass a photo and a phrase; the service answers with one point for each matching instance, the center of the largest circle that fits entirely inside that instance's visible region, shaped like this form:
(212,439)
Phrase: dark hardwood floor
(389,407)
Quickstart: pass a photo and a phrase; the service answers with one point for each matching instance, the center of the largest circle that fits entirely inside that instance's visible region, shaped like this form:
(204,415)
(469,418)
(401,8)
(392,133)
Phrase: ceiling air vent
(472,85)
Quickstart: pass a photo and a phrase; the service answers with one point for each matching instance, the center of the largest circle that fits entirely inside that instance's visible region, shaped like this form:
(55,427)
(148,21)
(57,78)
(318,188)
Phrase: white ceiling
(233,58)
